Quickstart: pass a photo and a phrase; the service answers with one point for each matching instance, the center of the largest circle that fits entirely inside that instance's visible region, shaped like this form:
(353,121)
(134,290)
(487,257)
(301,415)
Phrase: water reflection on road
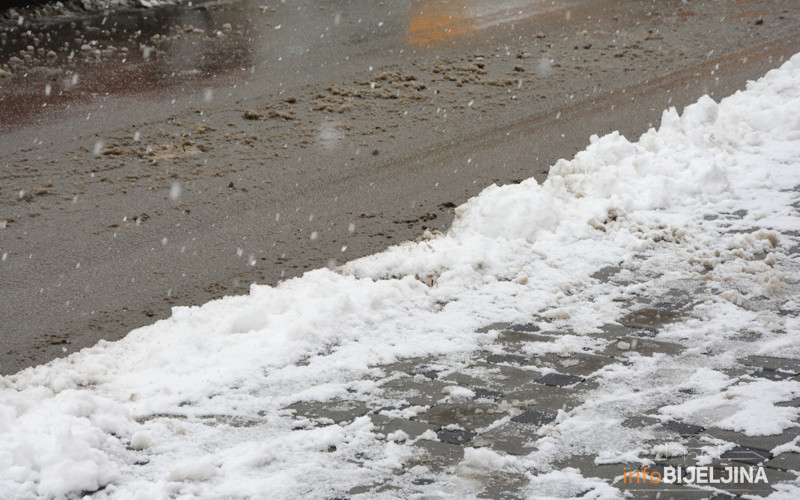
(437,20)
(50,65)
(54,65)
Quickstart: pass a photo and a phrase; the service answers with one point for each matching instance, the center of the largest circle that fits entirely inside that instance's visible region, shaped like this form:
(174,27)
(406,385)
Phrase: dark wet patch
(682,428)
(401,406)
(534,417)
(643,346)
(745,455)
(580,364)
(649,318)
(336,411)
(486,394)
(559,380)
(785,461)
(506,358)
(458,437)
(470,415)
(528,327)
(772,363)
(387,425)
(493,327)
(640,422)
(430,374)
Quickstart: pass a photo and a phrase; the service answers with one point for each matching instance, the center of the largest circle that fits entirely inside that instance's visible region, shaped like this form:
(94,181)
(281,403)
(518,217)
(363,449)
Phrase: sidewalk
(683,353)
(514,396)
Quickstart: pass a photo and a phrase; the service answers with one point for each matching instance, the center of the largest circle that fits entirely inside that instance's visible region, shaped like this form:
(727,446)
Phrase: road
(167,157)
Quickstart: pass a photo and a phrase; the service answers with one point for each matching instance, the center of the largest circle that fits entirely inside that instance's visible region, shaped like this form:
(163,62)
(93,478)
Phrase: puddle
(55,63)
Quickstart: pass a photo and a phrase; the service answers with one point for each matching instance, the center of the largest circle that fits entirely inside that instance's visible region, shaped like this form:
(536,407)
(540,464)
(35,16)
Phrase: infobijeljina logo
(706,469)
(730,478)
(698,475)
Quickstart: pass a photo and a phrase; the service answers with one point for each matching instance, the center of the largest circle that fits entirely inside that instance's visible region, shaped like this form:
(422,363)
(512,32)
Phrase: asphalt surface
(160,158)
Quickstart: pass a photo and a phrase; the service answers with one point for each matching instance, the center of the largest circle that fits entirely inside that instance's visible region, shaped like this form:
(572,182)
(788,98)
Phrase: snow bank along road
(131,180)
(646,277)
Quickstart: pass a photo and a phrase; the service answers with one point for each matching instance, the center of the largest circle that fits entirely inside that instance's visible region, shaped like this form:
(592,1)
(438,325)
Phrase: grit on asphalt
(167,157)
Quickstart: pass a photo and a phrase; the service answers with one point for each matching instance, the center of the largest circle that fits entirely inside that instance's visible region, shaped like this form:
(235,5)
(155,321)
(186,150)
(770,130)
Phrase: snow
(195,405)
(747,408)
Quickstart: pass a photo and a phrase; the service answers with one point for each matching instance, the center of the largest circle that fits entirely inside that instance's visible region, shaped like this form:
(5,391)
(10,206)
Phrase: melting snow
(193,405)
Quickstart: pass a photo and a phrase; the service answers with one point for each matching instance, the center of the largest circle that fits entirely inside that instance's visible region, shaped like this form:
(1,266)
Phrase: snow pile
(195,405)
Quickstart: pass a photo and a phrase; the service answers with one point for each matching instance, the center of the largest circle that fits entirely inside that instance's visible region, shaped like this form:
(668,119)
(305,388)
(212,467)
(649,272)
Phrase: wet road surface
(165,157)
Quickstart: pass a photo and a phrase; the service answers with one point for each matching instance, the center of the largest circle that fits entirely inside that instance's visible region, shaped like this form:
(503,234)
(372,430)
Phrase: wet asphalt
(166,157)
